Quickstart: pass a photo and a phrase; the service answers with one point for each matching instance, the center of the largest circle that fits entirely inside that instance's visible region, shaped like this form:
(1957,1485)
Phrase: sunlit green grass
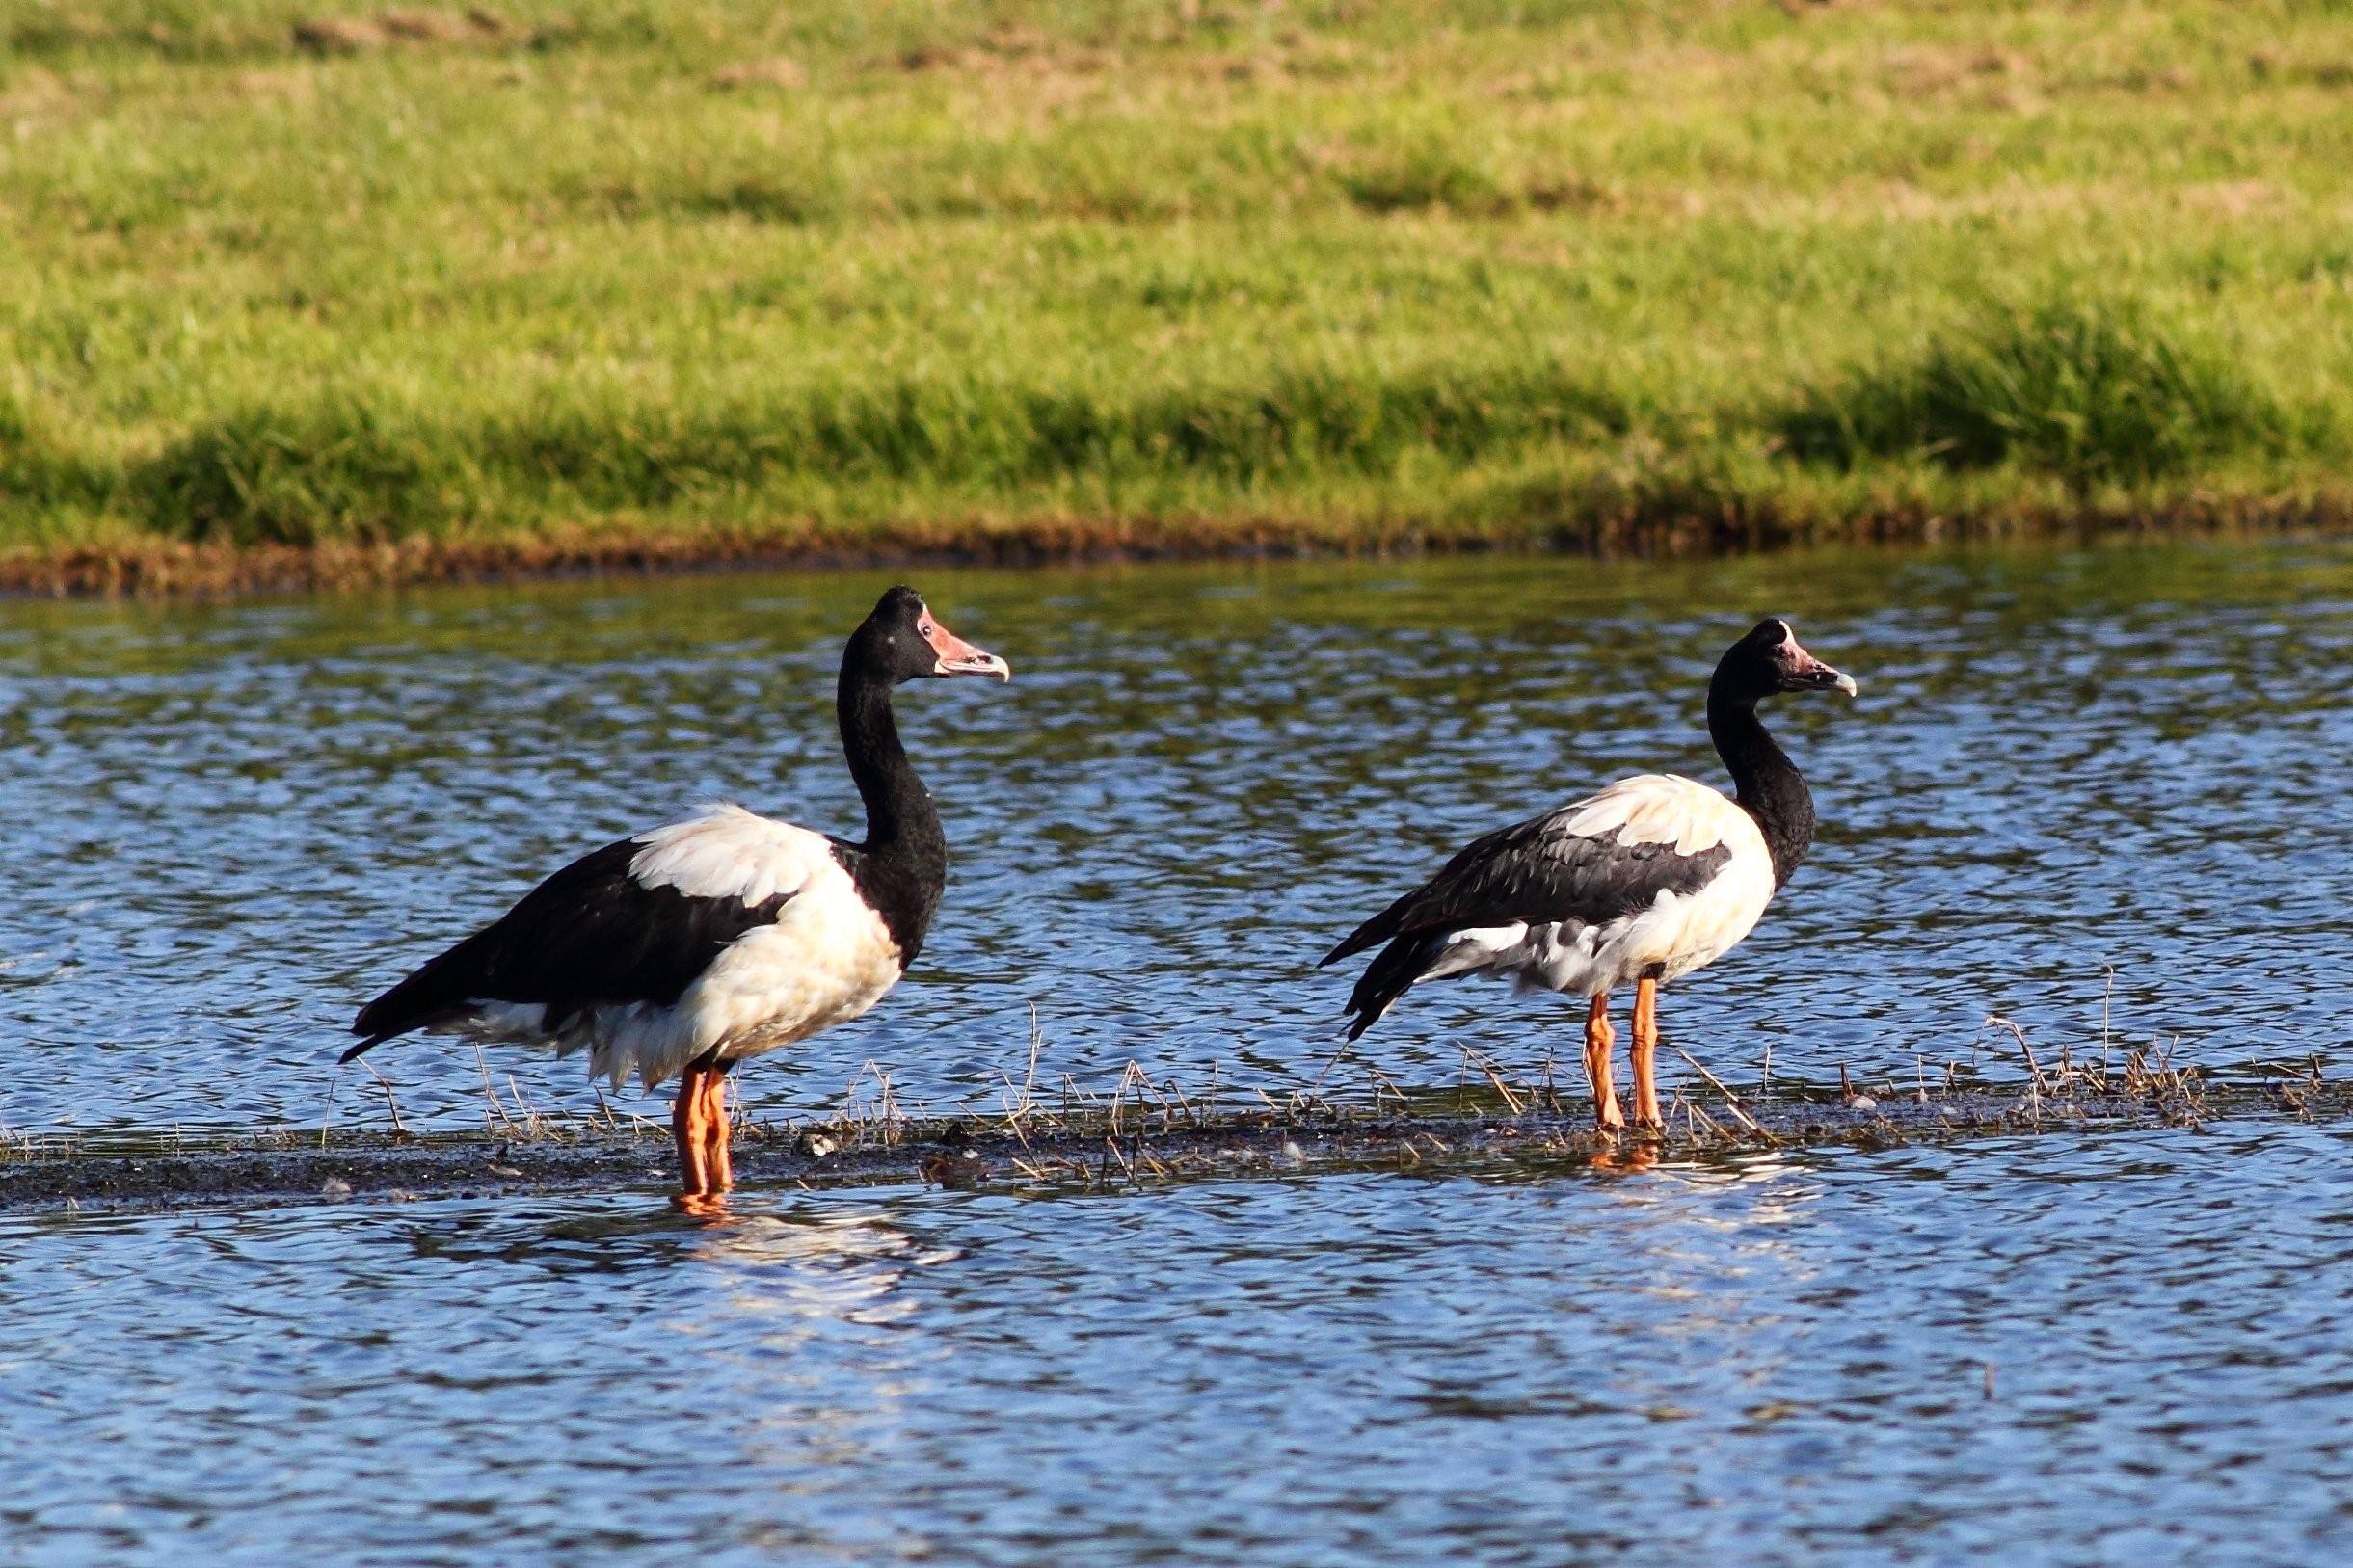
(274,272)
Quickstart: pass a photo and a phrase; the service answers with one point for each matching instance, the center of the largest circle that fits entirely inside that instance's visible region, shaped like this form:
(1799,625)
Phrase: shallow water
(235,824)
(230,825)
(1768,1360)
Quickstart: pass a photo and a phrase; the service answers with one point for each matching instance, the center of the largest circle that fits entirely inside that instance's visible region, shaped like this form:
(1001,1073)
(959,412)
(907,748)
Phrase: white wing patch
(1665,808)
(727,852)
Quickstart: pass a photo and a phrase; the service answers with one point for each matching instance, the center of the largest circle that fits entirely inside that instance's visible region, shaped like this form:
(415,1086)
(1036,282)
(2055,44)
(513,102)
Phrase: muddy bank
(1036,1154)
(174,569)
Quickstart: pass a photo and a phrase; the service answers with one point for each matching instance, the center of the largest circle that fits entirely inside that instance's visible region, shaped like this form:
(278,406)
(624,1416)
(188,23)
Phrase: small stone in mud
(504,1170)
(952,1170)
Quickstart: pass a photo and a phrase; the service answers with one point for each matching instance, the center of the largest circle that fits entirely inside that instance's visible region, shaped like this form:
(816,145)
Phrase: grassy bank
(659,278)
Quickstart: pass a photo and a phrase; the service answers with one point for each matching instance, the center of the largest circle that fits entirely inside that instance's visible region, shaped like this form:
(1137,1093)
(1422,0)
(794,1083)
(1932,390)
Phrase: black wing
(1539,872)
(1536,871)
(590,934)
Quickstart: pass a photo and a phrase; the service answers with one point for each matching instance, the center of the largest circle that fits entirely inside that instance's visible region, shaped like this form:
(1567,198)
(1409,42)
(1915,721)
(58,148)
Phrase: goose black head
(1769,660)
(902,640)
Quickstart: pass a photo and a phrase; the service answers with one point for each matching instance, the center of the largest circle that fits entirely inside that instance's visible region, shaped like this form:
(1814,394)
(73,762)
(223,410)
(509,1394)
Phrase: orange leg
(1599,1041)
(719,1173)
(1645,1049)
(686,1130)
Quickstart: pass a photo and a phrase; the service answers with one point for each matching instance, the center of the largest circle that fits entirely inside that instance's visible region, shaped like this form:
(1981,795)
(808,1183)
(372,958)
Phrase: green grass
(2091,391)
(275,272)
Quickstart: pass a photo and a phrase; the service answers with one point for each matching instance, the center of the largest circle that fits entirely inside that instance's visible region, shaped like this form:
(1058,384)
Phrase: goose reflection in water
(779,1336)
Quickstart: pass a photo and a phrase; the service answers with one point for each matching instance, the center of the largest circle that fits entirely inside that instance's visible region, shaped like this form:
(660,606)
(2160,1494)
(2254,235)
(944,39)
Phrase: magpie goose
(687,949)
(1641,884)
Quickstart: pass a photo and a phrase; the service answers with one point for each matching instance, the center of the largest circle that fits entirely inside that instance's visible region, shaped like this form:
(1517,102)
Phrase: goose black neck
(1767,785)
(902,865)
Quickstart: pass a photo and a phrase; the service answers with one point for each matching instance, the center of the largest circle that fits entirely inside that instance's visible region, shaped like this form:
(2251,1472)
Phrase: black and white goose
(1641,884)
(687,949)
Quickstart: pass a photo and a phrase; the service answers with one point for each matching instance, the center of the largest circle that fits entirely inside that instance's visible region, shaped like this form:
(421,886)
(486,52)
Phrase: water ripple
(2067,772)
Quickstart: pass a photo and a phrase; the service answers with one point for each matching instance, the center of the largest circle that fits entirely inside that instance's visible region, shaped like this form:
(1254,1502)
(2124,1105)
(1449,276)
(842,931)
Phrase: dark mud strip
(1052,1153)
(178,569)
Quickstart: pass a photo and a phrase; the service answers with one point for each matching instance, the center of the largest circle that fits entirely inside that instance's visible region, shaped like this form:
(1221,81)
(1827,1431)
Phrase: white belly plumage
(828,957)
(768,988)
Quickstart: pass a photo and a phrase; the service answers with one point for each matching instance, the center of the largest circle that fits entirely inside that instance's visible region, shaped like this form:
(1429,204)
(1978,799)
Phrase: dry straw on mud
(1150,1127)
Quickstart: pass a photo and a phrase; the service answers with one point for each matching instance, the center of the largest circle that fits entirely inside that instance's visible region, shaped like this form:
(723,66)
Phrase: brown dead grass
(2235,197)
(1008,49)
(339,35)
(1919,70)
(780,73)
(33,95)
(423,26)
(396,26)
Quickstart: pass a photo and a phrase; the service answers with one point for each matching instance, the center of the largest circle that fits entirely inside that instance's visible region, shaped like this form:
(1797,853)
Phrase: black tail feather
(1375,931)
(361,1048)
(1386,978)
(439,989)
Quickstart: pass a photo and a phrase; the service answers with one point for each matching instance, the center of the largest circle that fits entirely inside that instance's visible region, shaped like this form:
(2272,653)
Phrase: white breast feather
(828,957)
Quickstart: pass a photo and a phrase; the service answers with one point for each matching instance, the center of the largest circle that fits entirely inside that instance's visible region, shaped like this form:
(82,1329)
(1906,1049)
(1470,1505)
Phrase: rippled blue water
(230,825)
(1768,1360)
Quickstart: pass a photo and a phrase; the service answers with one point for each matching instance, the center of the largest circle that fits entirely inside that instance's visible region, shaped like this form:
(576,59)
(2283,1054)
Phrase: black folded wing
(1535,872)
(590,934)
